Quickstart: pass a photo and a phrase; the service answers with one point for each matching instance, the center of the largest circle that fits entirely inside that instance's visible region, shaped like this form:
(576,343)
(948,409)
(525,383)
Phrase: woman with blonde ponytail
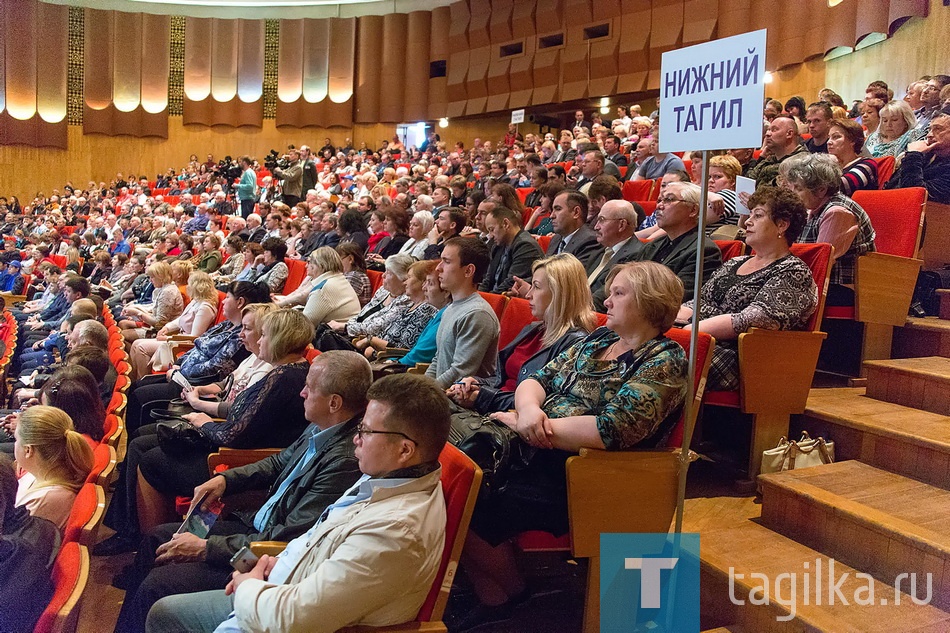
(55,459)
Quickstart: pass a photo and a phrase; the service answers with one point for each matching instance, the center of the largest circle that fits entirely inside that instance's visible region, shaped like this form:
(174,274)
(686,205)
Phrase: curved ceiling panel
(343,61)
(127,75)
(250,86)
(262,9)
(156,43)
(20,27)
(290,68)
(98,40)
(316,58)
(198,58)
(51,62)
(224,56)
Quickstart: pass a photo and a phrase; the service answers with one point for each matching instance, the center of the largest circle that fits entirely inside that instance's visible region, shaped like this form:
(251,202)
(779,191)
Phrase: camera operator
(291,179)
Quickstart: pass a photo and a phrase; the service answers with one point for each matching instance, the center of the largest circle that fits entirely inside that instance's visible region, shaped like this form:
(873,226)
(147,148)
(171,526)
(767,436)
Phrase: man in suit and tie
(515,253)
(571,232)
(615,226)
(565,152)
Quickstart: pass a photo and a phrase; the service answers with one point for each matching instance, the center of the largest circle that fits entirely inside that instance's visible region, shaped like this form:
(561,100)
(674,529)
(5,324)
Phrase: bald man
(615,226)
(781,141)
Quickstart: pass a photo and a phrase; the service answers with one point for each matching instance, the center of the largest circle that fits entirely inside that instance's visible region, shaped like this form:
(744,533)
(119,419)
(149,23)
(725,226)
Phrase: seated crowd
(292,287)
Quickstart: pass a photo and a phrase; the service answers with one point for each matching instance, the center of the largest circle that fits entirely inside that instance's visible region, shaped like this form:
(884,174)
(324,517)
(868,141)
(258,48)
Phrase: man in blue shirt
(302,480)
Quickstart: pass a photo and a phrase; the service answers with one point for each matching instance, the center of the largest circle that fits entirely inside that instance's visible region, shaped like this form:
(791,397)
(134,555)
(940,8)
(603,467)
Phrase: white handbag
(163,358)
(789,455)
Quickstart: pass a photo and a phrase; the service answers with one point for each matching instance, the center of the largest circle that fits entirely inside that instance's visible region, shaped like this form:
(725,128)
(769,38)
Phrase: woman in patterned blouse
(772,289)
(621,387)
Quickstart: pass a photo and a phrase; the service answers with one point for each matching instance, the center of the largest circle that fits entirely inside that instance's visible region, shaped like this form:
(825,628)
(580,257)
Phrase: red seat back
(637,190)
(649,206)
(461,479)
(544,241)
(497,302)
(523,193)
(84,509)
(705,346)
(220,316)
(297,270)
(311,354)
(70,574)
(897,218)
(885,169)
(730,248)
(516,316)
(818,258)
(59,260)
(375,280)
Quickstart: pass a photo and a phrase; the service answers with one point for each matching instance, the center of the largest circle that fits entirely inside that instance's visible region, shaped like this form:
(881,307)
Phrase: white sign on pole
(711,95)
(517,116)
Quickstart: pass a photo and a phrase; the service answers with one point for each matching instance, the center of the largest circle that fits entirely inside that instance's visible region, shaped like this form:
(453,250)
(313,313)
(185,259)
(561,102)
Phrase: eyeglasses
(671,199)
(362,430)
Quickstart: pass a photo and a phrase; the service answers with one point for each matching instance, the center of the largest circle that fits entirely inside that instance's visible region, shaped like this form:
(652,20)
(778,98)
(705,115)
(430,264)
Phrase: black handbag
(179,435)
(495,447)
(325,340)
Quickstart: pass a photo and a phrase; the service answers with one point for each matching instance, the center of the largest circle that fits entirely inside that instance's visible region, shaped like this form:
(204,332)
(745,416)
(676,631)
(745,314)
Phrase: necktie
(561,246)
(608,255)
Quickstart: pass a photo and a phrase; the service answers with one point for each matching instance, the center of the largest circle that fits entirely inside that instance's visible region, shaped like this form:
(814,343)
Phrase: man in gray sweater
(467,340)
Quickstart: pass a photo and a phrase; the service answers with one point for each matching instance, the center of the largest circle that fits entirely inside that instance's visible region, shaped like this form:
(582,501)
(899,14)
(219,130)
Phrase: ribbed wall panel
(99,34)
(224,59)
(342,59)
(439,50)
(316,60)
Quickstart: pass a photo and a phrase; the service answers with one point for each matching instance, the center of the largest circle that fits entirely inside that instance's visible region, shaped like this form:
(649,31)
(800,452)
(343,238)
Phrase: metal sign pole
(693,344)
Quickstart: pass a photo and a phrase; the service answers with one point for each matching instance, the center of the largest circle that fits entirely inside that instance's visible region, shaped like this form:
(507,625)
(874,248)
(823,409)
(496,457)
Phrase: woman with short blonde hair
(56,459)
(167,304)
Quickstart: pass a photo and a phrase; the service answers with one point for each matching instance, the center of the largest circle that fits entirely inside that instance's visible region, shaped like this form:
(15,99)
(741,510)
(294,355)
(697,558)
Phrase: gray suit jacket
(627,253)
(584,246)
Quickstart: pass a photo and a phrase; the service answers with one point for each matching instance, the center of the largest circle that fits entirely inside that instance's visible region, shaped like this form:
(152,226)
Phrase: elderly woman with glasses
(771,289)
(832,217)
(621,387)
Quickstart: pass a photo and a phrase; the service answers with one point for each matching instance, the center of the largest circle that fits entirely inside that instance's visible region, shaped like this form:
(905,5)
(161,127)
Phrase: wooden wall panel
(439,50)
(872,18)
(546,74)
(633,57)
(701,18)
(547,16)
(839,31)
(606,10)
(51,59)
(578,13)
(369,34)
(3,64)
(604,63)
(20,26)
(198,38)
(460,20)
(500,25)
(520,77)
(418,34)
(156,43)
(35,133)
(666,33)
(476,85)
(522,19)
(456,86)
(498,85)
(480,16)
(764,16)
(734,17)
(393,69)
(575,62)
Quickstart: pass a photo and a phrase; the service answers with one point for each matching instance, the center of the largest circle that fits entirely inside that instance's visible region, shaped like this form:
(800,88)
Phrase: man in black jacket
(515,253)
(301,481)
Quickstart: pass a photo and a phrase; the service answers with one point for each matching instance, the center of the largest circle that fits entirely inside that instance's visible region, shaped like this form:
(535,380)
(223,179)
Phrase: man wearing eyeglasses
(302,480)
(372,556)
(615,226)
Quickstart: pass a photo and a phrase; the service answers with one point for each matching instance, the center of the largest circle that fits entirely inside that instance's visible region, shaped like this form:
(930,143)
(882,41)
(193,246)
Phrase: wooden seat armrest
(236,457)
(181,337)
(11,299)
(271,548)
(777,369)
(180,347)
(391,352)
(884,288)
(420,368)
(597,478)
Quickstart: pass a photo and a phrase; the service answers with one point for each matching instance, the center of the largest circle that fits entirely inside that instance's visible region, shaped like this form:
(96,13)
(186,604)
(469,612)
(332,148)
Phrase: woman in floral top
(622,387)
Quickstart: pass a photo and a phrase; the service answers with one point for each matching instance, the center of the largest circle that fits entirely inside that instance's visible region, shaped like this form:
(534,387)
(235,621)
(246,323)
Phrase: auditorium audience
(332,297)
(140,320)
(894,132)
(927,162)
(386,306)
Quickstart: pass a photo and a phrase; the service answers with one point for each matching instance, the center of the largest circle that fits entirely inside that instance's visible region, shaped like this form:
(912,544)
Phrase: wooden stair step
(944,295)
(754,549)
(725,629)
(926,336)
(900,439)
(874,520)
(921,383)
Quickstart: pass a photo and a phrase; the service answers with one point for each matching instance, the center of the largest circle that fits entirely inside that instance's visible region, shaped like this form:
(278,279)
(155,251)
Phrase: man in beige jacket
(371,557)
